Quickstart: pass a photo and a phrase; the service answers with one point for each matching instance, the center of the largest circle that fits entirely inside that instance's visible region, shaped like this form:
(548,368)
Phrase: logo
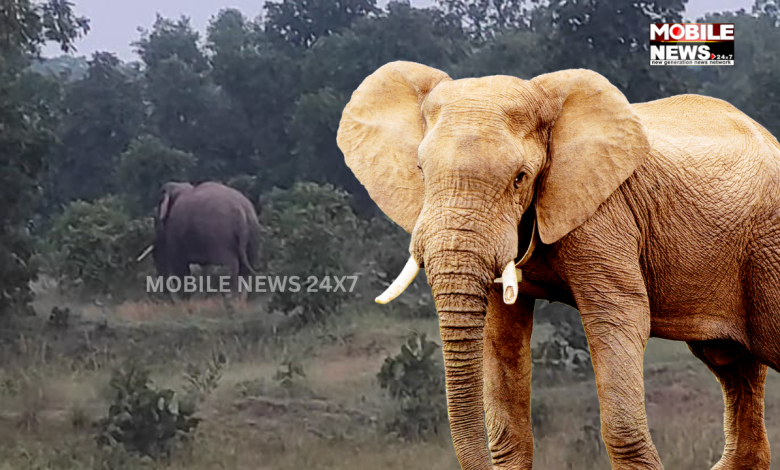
(692,44)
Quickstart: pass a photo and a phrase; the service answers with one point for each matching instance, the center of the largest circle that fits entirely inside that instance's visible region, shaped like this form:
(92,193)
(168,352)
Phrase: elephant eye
(421,172)
(519,179)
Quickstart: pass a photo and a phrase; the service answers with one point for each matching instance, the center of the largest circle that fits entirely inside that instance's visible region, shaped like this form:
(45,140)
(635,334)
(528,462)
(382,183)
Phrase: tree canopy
(256,102)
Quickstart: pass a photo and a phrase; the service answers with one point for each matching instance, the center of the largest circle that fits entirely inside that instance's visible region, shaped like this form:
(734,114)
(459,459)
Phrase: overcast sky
(114,23)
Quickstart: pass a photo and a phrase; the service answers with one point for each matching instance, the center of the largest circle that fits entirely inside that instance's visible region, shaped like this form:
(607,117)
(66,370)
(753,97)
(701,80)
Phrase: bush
(312,228)
(145,166)
(248,185)
(144,419)
(386,247)
(565,353)
(95,248)
(59,318)
(415,381)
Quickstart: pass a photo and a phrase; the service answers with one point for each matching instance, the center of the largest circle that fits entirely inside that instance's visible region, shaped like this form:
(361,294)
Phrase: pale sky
(115,23)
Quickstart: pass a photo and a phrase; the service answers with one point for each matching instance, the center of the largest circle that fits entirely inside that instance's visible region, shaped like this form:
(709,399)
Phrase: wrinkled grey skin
(209,224)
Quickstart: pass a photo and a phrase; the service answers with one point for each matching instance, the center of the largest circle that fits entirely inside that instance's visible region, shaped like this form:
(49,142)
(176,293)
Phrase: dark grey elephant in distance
(208,224)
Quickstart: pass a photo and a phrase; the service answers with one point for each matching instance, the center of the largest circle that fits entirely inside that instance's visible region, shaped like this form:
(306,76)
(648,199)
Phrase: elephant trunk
(461,323)
(459,280)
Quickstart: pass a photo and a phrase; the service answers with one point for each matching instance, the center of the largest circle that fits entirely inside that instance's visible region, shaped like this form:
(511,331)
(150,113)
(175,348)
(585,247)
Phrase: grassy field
(53,385)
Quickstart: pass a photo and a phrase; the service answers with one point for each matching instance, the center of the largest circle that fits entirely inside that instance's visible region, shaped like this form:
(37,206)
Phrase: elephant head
(457,163)
(169,193)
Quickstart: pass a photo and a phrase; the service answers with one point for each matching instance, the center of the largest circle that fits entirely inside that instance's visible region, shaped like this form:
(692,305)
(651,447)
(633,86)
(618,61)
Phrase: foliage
(300,23)
(565,353)
(25,26)
(59,318)
(28,123)
(247,185)
(415,381)
(202,379)
(145,166)
(142,418)
(483,19)
(310,227)
(65,67)
(287,373)
(245,63)
(102,113)
(385,252)
(257,102)
(96,247)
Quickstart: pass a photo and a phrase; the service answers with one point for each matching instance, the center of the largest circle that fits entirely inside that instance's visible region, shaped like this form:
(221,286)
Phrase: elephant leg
(507,381)
(610,294)
(234,266)
(180,268)
(742,378)
(618,330)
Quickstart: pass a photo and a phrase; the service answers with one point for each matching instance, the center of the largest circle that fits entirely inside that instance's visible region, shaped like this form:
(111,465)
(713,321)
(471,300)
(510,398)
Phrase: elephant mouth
(513,268)
(510,277)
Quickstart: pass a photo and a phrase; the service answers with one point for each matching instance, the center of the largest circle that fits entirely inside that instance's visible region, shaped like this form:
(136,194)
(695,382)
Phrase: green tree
(188,111)
(102,114)
(28,121)
(95,248)
(767,8)
(65,67)
(261,83)
(483,19)
(176,81)
(300,23)
(145,166)
(311,229)
(612,38)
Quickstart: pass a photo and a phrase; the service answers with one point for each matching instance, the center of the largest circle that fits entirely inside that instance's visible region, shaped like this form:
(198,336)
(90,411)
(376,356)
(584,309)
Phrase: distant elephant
(207,224)
(655,219)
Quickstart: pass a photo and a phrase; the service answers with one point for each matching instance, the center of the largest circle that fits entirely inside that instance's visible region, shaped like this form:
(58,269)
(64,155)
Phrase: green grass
(52,384)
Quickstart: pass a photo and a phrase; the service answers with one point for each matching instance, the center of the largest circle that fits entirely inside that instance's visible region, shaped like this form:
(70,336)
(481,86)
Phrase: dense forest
(256,102)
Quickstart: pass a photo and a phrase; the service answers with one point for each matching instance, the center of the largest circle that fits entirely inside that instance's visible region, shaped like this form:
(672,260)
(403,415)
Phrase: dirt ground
(52,384)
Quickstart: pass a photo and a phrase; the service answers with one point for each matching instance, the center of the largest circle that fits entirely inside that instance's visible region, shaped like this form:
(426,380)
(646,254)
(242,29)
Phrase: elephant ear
(596,143)
(165,206)
(379,133)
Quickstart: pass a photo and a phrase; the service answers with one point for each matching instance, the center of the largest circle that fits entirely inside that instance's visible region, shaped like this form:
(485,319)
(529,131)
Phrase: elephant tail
(251,243)
(245,259)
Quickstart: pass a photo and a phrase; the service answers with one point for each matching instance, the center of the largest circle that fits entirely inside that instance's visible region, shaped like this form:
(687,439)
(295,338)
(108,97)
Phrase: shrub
(386,247)
(565,353)
(145,166)
(59,318)
(415,381)
(248,185)
(311,228)
(144,419)
(204,379)
(96,245)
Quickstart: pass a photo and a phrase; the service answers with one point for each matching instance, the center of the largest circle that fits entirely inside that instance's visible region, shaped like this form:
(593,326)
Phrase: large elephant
(208,224)
(655,219)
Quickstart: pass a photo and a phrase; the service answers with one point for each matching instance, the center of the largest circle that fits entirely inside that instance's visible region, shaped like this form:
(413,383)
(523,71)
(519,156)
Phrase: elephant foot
(753,459)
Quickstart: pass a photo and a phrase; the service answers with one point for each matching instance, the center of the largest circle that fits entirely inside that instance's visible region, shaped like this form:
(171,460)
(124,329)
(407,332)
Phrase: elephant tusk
(401,283)
(531,246)
(145,253)
(525,257)
(509,282)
